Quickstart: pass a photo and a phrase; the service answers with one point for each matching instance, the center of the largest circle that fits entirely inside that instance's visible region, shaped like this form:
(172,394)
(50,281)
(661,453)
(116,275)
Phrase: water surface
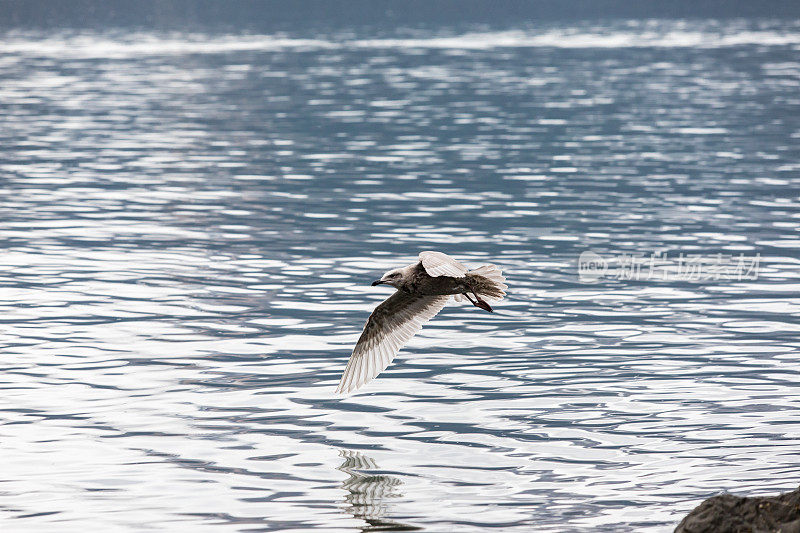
(190,223)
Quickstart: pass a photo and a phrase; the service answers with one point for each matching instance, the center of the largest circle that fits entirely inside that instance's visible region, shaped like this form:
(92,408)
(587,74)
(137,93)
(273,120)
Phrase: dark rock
(736,514)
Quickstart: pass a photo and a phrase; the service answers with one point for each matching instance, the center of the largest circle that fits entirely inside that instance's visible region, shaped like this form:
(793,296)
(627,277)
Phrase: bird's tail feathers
(489,283)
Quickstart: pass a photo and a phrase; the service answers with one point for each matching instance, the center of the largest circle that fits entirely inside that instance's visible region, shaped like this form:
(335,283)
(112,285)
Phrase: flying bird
(423,288)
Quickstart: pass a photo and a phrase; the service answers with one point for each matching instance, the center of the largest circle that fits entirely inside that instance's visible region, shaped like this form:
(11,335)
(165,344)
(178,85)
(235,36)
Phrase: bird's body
(416,280)
(423,288)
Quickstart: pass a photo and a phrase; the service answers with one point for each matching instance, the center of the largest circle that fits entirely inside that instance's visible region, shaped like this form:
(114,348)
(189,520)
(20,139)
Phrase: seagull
(423,288)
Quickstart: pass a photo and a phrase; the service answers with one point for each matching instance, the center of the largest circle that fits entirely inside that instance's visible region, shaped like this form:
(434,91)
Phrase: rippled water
(190,224)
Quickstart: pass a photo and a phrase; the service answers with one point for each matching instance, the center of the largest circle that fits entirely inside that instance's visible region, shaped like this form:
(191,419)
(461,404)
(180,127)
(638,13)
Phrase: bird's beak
(377,282)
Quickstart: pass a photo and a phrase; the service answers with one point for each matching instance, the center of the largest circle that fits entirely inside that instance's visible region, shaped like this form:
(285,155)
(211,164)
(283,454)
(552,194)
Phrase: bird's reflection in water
(367,493)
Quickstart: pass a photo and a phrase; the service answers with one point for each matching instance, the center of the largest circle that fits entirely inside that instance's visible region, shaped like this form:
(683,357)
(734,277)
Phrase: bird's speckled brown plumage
(420,282)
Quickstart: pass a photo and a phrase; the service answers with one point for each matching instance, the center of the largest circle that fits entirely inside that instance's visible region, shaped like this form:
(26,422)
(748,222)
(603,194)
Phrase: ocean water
(190,223)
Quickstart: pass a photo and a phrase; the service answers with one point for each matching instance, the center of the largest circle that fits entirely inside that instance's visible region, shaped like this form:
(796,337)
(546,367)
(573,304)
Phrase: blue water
(190,223)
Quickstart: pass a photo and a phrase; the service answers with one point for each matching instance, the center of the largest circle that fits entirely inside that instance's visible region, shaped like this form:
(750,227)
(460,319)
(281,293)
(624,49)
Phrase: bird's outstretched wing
(388,328)
(438,264)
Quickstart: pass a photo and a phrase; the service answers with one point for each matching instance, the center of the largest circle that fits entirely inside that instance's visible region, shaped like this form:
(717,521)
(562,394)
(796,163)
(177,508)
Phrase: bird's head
(393,278)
